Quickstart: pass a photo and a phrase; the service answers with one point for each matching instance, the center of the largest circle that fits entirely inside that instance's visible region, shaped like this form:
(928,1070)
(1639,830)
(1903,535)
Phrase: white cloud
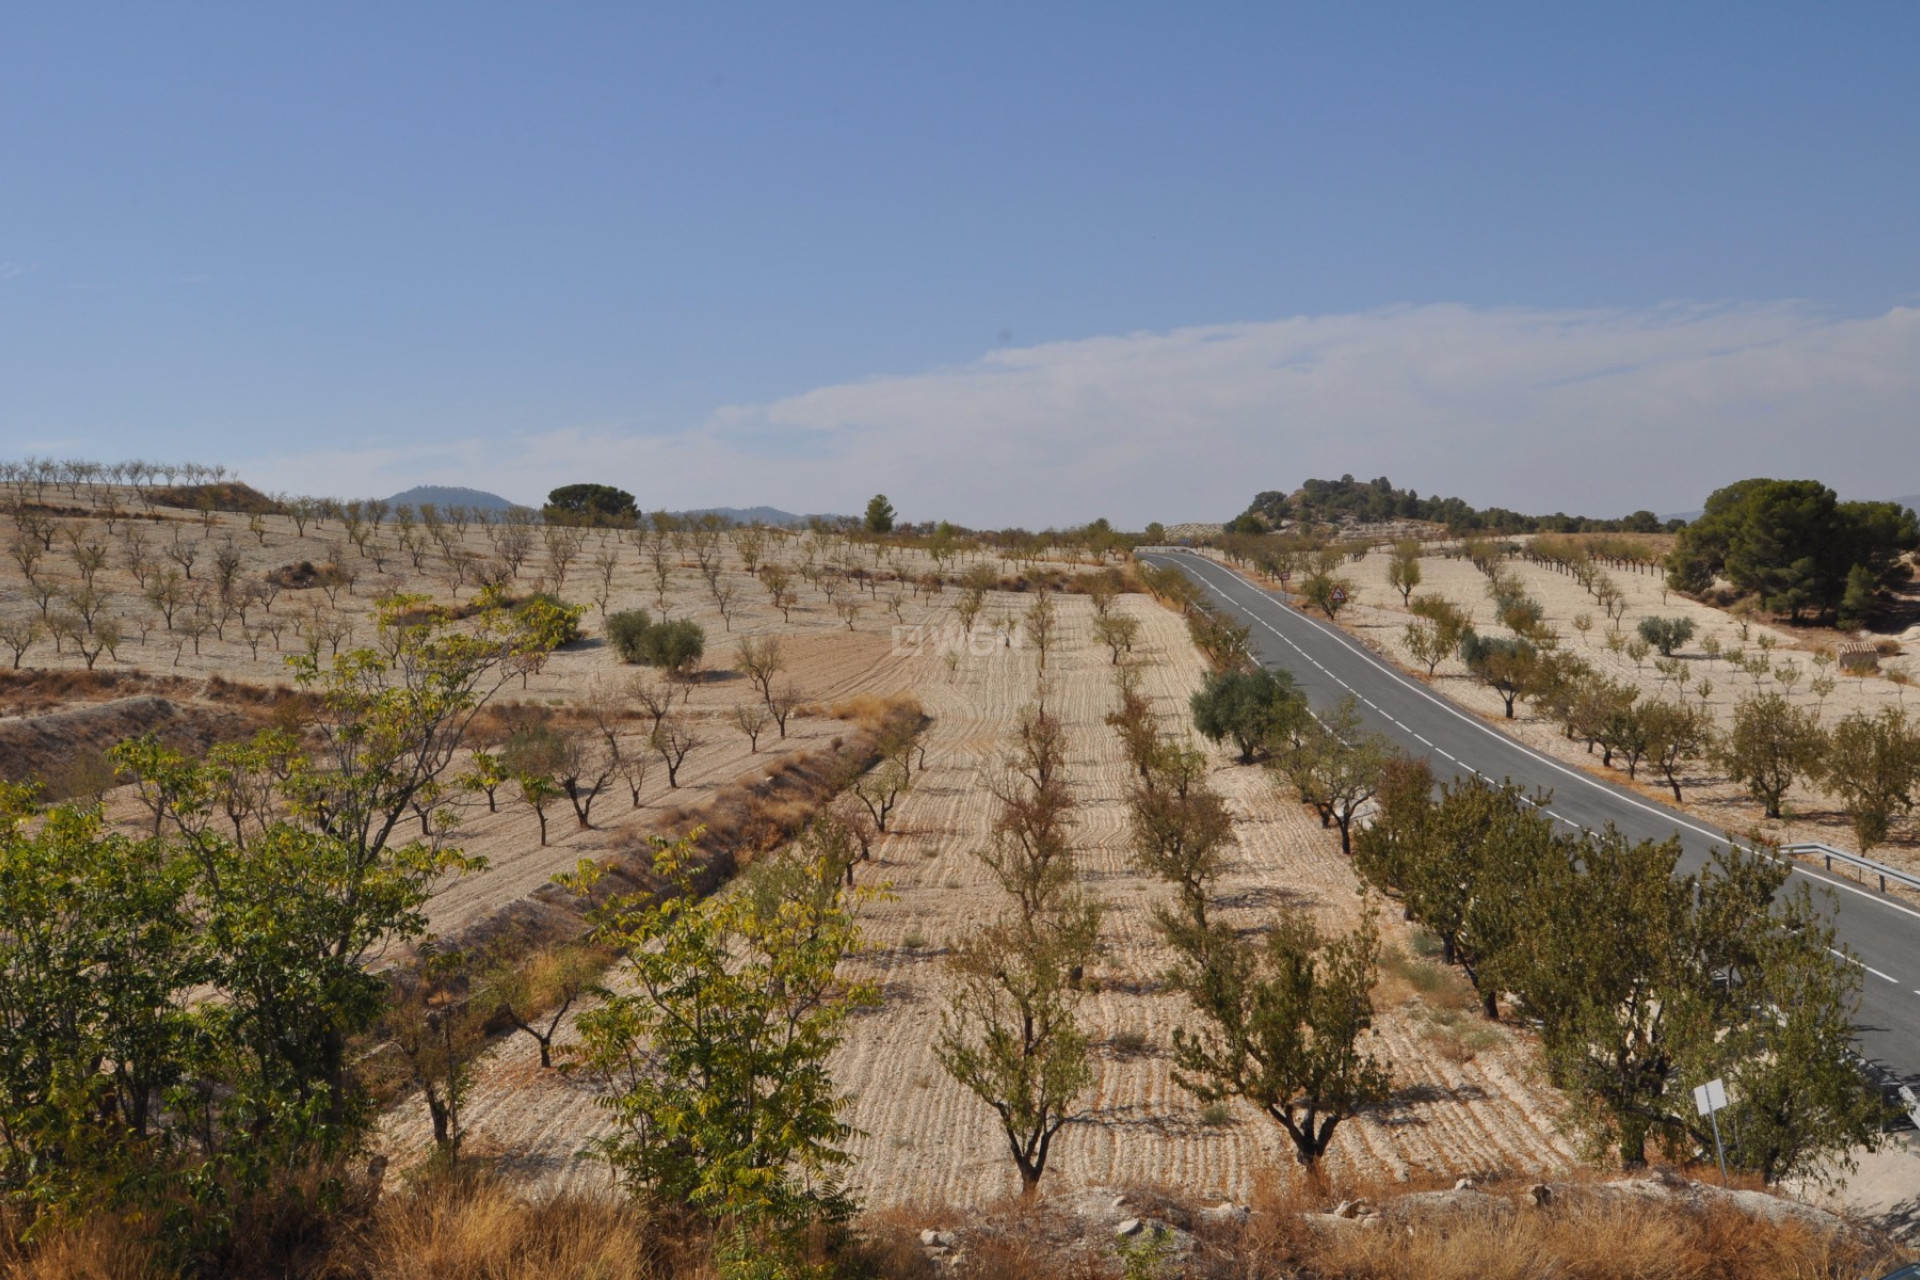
(1598,412)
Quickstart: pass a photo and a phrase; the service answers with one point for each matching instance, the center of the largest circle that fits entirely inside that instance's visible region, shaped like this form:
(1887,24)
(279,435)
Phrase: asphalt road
(1882,935)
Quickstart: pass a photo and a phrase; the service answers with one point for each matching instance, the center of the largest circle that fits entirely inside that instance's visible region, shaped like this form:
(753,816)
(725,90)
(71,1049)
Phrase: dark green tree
(879,514)
(673,645)
(589,503)
(1666,634)
(1254,708)
(1793,544)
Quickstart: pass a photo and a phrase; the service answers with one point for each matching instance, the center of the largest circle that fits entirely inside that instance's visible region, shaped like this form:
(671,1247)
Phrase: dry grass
(474,1228)
(479,1231)
(1599,1239)
(100,1248)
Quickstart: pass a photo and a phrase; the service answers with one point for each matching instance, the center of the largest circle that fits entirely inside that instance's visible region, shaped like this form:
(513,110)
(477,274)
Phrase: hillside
(446,495)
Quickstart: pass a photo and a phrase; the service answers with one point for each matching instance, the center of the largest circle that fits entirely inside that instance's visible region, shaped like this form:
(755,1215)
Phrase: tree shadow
(1402,1107)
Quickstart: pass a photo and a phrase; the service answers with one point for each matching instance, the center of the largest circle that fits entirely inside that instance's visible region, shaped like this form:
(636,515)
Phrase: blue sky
(1010,263)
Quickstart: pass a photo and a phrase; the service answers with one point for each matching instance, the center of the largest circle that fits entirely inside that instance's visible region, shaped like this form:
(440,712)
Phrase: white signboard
(1710,1097)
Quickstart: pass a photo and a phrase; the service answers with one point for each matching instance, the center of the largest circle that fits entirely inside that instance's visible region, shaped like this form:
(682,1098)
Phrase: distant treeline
(1350,501)
(47,484)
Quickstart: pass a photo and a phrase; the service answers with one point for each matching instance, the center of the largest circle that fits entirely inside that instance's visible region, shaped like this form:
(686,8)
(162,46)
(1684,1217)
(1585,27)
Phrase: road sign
(1709,1098)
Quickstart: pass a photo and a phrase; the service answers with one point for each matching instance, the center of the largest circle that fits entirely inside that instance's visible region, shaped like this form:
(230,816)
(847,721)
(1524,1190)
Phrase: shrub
(676,645)
(672,645)
(625,632)
(1666,634)
(1250,707)
(551,621)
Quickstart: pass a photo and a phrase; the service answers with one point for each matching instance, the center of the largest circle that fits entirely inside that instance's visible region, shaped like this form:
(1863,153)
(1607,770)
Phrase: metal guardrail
(1829,853)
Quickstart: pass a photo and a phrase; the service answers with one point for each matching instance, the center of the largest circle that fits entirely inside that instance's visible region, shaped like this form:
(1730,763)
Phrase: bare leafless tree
(750,718)
(674,739)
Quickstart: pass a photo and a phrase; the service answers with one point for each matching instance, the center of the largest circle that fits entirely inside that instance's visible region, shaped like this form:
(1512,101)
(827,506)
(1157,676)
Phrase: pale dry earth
(922,1137)
(1469,1101)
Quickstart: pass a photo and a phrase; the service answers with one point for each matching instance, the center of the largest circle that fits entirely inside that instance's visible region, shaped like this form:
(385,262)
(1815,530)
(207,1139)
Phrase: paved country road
(1883,935)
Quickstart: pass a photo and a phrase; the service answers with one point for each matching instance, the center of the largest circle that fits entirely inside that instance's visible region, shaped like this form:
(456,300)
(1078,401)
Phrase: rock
(1351,1208)
(1119,1202)
(1466,1184)
(936,1239)
(1542,1195)
(1128,1227)
(1226,1212)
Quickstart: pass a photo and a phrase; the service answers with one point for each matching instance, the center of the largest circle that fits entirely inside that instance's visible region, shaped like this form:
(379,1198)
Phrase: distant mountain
(444,495)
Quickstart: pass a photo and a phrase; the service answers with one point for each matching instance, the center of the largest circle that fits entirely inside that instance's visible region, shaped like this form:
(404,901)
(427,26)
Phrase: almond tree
(675,740)
(18,635)
(712,1050)
(750,718)
(1284,1017)
(1403,570)
(536,993)
(1117,631)
(760,660)
(1873,762)
(1772,743)
(1041,624)
(1180,828)
(1336,767)
(1011,1036)
(1676,736)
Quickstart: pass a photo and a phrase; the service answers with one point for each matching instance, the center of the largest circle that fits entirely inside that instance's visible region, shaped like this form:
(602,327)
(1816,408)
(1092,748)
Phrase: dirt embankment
(64,748)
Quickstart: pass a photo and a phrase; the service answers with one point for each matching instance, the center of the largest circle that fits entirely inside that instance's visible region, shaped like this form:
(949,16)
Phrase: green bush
(626,631)
(673,645)
(1251,707)
(1666,634)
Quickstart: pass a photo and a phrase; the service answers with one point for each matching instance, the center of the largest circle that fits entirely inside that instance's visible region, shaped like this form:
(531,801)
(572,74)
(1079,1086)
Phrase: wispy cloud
(1593,411)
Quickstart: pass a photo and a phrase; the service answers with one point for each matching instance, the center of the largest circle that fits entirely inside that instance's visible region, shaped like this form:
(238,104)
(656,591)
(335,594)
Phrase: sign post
(1708,1099)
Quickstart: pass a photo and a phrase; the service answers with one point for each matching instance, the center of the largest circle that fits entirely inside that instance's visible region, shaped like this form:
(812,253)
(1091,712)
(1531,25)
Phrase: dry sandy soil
(922,1138)
(1469,1097)
(1378,619)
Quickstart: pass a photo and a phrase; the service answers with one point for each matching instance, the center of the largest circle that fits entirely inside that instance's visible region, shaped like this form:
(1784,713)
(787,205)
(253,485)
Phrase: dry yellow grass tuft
(471,1227)
(477,1230)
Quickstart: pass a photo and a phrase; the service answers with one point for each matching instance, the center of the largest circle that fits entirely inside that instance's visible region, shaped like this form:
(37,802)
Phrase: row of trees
(1642,982)
(1869,762)
(1350,501)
